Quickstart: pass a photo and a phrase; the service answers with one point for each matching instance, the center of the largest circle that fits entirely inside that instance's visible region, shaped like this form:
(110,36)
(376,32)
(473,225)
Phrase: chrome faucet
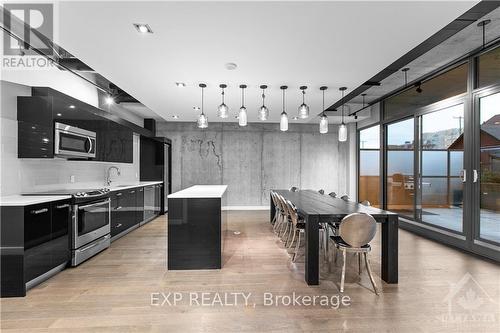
(108,174)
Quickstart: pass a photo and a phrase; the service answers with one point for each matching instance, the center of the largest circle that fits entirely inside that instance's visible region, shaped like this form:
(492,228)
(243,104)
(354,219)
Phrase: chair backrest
(332,194)
(345,197)
(273,197)
(366,203)
(294,189)
(321,191)
(357,229)
(278,201)
(292,212)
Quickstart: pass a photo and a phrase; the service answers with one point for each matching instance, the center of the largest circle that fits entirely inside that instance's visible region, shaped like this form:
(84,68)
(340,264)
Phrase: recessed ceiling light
(180,84)
(196,108)
(175,116)
(230,66)
(59,114)
(143,28)
(71,106)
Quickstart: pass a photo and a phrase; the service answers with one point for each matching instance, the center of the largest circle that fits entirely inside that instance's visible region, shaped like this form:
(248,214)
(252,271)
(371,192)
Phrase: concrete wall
(254,159)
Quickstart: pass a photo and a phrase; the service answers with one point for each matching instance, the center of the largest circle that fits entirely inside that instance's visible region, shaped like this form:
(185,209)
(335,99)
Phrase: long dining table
(316,208)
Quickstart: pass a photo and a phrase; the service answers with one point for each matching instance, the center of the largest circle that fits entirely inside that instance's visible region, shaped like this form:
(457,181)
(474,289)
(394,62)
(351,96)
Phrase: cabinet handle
(132,192)
(141,190)
(474,176)
(119,194)
(118,225)
(119,207)
(39,211)
(62,206)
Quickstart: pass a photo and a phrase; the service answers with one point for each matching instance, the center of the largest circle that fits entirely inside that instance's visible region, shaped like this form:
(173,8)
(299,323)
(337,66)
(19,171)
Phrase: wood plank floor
(112,291)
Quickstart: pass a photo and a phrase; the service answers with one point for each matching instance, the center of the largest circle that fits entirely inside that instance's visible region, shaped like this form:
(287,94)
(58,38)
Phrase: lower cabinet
(127,209)
(35,240)
(149,202)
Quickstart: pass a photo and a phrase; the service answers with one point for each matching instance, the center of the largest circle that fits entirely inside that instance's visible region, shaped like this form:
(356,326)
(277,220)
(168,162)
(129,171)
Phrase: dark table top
(309,202)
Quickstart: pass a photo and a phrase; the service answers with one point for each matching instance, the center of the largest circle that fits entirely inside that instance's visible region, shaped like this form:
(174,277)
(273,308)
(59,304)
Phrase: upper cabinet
(36,117)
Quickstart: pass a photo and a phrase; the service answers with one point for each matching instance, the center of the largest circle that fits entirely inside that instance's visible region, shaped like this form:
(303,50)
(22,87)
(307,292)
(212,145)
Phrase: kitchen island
(196,227)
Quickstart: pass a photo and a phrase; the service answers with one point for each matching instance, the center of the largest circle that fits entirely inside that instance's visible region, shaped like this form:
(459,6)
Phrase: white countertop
(26,200)
(127,186)
(201,191)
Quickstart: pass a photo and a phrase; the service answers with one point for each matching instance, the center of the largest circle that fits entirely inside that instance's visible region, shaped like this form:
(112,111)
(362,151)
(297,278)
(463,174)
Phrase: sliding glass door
(440,168)
(487,161)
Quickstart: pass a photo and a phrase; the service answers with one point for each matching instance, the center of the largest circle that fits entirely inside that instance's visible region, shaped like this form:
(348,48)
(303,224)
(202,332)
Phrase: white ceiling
(274,43)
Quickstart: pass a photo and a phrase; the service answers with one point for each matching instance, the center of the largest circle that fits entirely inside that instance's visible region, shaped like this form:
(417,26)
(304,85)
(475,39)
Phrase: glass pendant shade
(202,121)
(263,113)
(242,116)
(323,124)
(303,111)
(342,132)
(284,122)
(223,111)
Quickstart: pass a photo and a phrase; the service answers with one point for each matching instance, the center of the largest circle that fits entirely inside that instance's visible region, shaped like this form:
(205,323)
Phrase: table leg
(390,249)
(312,250)
(272,208)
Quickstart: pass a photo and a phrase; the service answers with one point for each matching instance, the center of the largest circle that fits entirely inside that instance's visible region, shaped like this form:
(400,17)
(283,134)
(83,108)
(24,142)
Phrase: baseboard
(245,207)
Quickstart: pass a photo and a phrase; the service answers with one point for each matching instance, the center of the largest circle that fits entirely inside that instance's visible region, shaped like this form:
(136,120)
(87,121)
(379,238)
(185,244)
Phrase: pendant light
(284,116)
(303,108)
(263,111)
(342,127)
(242,114)
(202,118)
(223,110)
(323,120)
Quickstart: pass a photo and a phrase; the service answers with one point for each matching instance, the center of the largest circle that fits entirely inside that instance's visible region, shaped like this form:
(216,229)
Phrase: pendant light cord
(263,97)
(342,106)
(242,97)
(222,95)
(284,100)
(303,96)
(323,102)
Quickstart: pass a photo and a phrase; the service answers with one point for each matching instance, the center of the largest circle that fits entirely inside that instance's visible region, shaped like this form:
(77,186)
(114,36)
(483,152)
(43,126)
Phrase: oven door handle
(90,144)
(88,247)
(100,203)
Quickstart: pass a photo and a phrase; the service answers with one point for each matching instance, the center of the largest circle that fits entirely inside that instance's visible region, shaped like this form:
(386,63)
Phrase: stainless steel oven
(71,141)
(90,229)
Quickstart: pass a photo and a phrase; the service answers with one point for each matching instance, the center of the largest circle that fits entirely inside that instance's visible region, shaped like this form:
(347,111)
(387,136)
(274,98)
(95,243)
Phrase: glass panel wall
(489,173)
(441,163)
(400,182)
(369,165)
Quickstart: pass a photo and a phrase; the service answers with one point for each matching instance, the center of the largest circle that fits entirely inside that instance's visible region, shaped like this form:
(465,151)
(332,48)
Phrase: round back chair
(294,189)
(332,194)
(345,197)
(357,229)
(321,191)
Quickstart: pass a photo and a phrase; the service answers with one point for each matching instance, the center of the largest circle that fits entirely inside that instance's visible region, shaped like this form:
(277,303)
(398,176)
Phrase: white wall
(31,175)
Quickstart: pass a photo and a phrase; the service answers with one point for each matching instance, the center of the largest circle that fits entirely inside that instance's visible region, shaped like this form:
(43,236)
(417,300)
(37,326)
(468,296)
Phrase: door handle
(119,207)
(474,176)
(118,225)
(463,175)
(39,211)
(90,144)
(62,206)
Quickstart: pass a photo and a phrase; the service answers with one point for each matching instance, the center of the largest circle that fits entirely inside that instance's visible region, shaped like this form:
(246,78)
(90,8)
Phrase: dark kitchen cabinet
(123,210)
(139,213)
(149,202)
(35,240)
(46,237)
(157,203)
(37,114)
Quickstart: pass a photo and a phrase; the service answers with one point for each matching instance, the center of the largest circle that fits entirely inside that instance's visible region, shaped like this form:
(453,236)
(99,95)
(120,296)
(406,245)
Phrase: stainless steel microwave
(71,141)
